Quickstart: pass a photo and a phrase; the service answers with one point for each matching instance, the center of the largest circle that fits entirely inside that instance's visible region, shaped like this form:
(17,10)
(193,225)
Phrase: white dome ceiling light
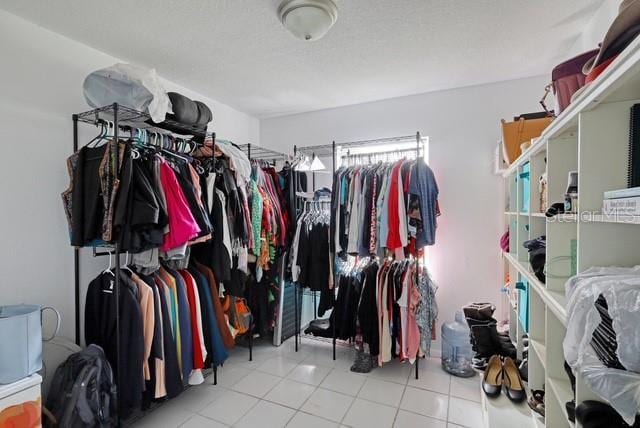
(308,19)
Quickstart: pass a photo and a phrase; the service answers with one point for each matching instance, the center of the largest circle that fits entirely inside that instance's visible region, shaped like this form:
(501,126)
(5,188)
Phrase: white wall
(40,87)
(463,128)
(596,28)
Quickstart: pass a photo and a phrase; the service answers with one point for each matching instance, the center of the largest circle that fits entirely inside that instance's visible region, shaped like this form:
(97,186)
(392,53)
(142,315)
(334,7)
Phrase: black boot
(484,337)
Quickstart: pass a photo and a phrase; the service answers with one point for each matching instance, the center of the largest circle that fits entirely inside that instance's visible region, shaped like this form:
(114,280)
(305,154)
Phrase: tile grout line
(252,396)
(395,417)
(449,398)
(354,399)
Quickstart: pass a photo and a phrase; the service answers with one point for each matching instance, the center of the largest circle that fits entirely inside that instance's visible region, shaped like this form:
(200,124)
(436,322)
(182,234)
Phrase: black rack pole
(313,189)
(117,281)
(76,251)
(251,317)
(213,153)
(333,292)
(294,212)
(417,258)
(251,339)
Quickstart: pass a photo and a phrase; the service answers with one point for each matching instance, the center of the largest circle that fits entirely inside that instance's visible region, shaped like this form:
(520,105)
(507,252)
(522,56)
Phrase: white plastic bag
(621,388)
(128,85)
(621,289)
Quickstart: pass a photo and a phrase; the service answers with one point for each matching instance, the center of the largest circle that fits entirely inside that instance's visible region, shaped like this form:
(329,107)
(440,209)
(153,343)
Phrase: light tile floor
(307,389)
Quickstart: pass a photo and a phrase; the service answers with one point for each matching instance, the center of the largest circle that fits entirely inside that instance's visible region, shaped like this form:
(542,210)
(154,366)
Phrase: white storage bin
(21,403)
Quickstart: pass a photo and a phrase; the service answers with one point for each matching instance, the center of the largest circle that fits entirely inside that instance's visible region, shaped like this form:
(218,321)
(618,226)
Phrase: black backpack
(82,392)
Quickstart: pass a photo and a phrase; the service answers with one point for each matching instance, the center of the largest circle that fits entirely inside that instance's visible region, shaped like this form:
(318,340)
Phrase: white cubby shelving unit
(591,136)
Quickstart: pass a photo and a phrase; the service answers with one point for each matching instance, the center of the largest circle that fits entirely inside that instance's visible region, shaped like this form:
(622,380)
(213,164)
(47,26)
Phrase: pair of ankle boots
(485,339)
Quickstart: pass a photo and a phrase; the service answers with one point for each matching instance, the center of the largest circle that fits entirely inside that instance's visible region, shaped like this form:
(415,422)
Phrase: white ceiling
(236,51)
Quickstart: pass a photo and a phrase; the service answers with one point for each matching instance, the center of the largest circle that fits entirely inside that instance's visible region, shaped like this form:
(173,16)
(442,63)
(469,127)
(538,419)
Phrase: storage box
(523,303)
(21,403)
(525,177)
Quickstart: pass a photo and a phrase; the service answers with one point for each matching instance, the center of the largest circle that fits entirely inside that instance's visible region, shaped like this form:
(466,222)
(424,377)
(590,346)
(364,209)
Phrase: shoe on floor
(492,381)
(594,414)
(479,363)
(536,402)
(513,386)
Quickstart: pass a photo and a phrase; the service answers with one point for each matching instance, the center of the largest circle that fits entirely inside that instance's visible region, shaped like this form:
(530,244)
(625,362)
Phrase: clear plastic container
(456,347)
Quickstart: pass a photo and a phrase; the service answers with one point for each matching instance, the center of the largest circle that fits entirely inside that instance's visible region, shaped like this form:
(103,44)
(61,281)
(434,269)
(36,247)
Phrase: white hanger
(126,263)
(108,269)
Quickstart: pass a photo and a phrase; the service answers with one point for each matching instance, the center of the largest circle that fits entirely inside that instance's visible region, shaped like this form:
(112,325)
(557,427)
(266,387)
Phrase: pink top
(182,225)
(413,331)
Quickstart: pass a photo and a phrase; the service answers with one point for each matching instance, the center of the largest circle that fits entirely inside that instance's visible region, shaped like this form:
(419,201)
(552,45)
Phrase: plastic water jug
(456,347)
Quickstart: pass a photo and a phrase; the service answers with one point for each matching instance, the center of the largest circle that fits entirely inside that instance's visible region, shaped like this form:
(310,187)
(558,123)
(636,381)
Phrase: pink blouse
(182,224)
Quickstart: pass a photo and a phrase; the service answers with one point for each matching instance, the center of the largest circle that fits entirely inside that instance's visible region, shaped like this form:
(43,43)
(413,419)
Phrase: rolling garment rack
(123,119)
(261,154)
(281,332)
(319,151)
(327,150)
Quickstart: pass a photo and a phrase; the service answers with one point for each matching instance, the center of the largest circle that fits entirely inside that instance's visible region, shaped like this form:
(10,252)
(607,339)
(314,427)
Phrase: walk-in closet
(320,213)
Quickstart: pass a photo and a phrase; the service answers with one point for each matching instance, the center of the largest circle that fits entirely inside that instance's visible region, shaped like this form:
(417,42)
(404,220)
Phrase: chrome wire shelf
(128,117)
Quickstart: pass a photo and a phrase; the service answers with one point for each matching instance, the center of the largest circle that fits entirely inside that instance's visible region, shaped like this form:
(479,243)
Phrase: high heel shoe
(492,381)
(513,386)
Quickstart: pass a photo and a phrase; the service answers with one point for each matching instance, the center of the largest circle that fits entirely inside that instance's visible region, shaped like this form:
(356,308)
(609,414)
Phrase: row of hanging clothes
(173,325)
(141,193)
(253,214)
(172,207)
(383,214)
(311,262)
(270,227)
(383,208)
(385,306)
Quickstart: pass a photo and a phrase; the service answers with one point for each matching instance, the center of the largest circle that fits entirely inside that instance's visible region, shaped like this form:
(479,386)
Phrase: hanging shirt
(396,210)
(182,224)
(423,184)
(354,212)
(145,298)
(199,350)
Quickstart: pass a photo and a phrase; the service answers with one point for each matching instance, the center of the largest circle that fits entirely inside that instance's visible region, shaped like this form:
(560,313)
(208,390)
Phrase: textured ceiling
(236,51)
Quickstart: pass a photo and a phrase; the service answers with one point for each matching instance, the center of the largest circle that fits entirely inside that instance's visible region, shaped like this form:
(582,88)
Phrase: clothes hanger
(126,263)
(108,269)
(100,134)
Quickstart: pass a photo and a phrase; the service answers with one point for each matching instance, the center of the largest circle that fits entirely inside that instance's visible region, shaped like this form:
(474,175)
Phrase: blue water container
(456,347)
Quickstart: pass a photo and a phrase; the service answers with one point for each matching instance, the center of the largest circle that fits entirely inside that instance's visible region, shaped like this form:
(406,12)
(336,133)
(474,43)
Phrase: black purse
(537,255)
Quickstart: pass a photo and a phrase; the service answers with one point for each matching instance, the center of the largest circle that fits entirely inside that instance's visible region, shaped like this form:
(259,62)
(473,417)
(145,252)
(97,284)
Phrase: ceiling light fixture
(308,19)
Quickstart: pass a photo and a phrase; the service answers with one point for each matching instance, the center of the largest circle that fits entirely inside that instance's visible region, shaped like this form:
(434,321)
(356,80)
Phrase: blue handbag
(20,341)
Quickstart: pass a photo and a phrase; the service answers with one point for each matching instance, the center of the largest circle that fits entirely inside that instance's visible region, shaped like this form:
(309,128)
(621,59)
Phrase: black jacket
(100,329)
(138,217)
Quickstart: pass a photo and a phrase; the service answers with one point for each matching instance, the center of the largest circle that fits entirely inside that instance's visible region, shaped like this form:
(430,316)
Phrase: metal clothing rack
(254,152)
(259,153)
(330,150)
(122,118)
(323,151)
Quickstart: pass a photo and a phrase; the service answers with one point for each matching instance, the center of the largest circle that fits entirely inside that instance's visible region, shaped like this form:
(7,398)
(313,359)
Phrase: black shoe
(513,386)
(594,414)
(492,381)
(479,363)
(571,410)
(524,370)
(484,337)
(479,311)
